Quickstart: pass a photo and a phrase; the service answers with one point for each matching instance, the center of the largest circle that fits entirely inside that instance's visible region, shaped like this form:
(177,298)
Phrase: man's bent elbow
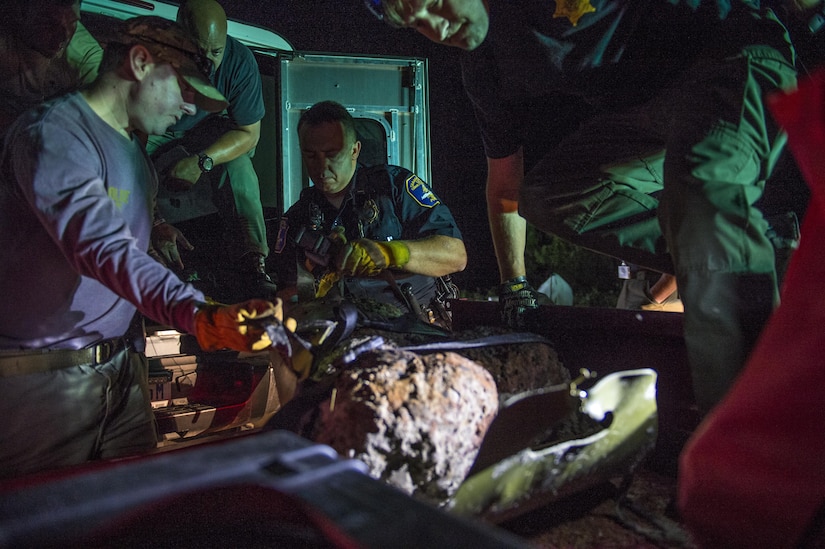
(460,256)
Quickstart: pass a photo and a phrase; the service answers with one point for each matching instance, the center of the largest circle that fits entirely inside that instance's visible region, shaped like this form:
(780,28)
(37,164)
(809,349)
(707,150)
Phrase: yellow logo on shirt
(119,196)
(420,192)
(573,9)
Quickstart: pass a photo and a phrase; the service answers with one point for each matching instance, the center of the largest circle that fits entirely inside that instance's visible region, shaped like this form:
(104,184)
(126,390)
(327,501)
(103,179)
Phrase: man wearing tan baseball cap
(167,41)
(77,192)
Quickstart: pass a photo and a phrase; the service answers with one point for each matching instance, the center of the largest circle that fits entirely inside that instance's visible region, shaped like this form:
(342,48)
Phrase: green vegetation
(592,276)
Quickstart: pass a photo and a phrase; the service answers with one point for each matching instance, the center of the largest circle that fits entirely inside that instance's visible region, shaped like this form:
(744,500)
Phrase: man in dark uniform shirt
(389,228)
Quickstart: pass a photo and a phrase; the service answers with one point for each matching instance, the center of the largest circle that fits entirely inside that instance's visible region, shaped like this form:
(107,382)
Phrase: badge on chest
(573,9)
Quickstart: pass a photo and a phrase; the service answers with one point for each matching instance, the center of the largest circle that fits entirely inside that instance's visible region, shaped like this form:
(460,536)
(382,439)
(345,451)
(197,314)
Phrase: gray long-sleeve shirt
(76,201)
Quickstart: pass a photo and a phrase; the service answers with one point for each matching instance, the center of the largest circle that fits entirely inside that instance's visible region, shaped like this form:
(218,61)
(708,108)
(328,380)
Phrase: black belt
(15,363)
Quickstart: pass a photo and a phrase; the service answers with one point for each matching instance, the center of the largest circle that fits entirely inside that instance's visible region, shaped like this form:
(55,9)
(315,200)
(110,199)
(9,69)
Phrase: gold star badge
(573,9)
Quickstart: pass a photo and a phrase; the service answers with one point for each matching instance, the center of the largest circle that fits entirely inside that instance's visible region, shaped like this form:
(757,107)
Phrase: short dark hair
(329,111)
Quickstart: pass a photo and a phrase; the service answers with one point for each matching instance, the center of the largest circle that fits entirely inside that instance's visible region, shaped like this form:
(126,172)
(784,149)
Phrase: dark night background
(457,157)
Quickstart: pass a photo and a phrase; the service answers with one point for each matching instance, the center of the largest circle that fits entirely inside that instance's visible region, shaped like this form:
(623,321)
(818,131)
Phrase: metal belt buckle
(105,350)
(99,350)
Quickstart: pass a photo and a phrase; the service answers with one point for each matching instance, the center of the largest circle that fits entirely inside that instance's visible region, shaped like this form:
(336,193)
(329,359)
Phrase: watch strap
(205,162)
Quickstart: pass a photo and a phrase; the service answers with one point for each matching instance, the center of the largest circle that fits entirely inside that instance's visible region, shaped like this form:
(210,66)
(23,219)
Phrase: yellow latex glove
(327,283)
(295,352)
(365,257)
(229,327)
(301,362)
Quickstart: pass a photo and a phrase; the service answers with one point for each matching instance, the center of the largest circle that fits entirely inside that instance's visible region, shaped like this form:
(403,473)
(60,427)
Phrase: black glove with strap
(517,299)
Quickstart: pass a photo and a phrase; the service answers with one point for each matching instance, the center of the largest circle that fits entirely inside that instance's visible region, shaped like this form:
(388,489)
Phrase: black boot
(255,281)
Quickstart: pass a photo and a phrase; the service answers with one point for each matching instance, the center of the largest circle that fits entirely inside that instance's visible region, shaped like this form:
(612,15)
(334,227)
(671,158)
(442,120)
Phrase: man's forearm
(509,233)
(437,255)
(230,146)
(507,228)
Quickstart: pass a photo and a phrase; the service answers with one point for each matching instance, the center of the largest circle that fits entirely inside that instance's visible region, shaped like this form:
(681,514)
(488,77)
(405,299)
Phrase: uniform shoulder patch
(420,192)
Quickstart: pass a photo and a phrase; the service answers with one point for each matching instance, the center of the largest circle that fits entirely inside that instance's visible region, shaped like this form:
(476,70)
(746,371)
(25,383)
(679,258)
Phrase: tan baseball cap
(168,42)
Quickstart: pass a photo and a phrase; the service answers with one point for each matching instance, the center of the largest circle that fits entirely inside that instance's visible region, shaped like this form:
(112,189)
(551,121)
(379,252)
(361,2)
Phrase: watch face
(205,163)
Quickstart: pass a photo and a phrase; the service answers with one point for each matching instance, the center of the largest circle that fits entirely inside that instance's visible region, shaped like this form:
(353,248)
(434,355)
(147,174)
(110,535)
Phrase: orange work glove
(237,326)
(365,257)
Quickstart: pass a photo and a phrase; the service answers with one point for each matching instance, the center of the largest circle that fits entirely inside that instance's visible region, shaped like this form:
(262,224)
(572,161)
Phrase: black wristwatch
(204,162)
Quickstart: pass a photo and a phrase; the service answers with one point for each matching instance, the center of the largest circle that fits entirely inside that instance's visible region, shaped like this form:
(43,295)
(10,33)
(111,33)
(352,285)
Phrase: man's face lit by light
(459,23)
(329,156)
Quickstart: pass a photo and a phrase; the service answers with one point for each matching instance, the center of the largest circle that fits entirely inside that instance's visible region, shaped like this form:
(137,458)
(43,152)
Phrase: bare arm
(436,255)
(234,143)
(228,147)
(663,287)
(508,228)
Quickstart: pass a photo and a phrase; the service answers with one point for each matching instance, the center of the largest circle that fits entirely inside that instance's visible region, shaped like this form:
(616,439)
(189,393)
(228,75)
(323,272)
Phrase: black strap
(293,416)
(346,315)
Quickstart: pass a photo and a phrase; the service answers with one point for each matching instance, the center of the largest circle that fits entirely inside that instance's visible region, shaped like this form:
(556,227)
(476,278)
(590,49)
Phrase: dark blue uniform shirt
(384,203)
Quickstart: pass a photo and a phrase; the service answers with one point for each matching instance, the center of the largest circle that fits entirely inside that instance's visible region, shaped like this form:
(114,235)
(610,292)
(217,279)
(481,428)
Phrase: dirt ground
(607,517)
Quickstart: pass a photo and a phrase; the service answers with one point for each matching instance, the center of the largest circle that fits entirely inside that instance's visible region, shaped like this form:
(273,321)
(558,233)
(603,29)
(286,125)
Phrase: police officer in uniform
(369,232)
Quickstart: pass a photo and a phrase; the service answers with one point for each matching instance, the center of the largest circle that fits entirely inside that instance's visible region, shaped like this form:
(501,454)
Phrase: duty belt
(15,363)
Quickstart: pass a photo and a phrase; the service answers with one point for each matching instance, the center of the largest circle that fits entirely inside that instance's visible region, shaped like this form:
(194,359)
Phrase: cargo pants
(76,414)
(671,185)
